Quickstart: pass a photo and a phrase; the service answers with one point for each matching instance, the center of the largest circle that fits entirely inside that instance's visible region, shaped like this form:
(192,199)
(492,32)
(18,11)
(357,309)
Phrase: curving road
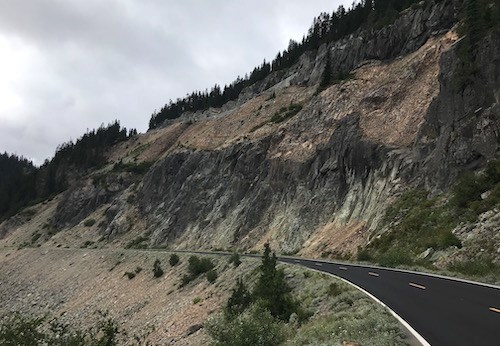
(443,311)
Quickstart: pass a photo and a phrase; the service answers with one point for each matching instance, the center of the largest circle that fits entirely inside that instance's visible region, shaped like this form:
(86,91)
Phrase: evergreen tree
(272,289)
(326,77)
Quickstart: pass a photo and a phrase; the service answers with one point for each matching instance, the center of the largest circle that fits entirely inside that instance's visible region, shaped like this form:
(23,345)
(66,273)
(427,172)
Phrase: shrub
(138,270)
(255,326)
(20,330)
(239,300)
(364,255)
(235,259)
(196,300)
(395,257)
(137,243)
(173,260)
(130,275)
(89,222)
(186,279)
(212,275)
(478,267)
(333,290)
(199,266)
(286,113)
(157,271)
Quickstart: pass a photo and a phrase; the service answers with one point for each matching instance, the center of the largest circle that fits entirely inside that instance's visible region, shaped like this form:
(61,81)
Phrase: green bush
(333,290)
(157,271)
(239,300)
(173,260)
(137,243)
(197,266)
(235,259)
(130,275)
(256,326)
(185,280)
(364,255)
(395,257)
(212,275)
(196,300)
(286,113)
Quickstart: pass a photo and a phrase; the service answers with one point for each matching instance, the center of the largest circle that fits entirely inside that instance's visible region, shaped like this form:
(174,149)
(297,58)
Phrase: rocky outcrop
(462,127)
(88,195)
(408,33)
(235,195)
(251,191)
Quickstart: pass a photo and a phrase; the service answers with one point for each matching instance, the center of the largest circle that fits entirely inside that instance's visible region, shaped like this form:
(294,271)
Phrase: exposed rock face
(254,190)
(408,33)
(320,180)
(85,197)
(462,126)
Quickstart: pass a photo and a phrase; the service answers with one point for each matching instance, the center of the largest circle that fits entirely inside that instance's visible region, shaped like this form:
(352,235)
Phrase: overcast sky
(70,65)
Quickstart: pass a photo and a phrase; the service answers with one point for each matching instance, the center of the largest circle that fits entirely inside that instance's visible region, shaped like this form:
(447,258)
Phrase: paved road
(442,310)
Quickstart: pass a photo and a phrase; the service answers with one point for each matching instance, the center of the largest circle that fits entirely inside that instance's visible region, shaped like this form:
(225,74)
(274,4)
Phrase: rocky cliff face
(296,188)
(305,170)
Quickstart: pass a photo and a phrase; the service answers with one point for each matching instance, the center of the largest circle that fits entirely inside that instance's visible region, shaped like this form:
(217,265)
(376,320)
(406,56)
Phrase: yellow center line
(373,274)
(342,268)
(495,310)
(318,264)
(417,286)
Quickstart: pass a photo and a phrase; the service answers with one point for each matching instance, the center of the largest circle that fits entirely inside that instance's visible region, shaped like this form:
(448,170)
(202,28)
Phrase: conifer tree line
(326,28)
(21,183)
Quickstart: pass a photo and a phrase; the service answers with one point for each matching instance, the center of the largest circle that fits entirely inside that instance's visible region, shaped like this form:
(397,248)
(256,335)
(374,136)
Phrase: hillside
(397,154)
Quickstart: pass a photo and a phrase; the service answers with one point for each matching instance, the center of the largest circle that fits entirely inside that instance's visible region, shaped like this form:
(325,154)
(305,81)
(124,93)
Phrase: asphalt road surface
(442,310)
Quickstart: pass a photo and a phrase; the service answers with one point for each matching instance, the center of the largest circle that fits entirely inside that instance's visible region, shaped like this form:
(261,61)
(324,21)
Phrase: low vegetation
(198,266)
(136,168)
(417,221)
(139,242)
(329,313)
(18,330)
(234,259)
(157,270)
(286,113)
(174,260)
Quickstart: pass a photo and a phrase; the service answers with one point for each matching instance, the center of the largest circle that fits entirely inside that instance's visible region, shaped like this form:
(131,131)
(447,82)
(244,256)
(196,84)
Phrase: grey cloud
(94,61)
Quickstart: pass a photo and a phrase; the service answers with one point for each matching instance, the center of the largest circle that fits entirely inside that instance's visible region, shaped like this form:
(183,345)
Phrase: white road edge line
(419,337)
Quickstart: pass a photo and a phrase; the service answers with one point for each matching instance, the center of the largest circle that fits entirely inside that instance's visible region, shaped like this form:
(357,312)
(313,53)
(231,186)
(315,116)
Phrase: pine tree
(326,77)
(272,289)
